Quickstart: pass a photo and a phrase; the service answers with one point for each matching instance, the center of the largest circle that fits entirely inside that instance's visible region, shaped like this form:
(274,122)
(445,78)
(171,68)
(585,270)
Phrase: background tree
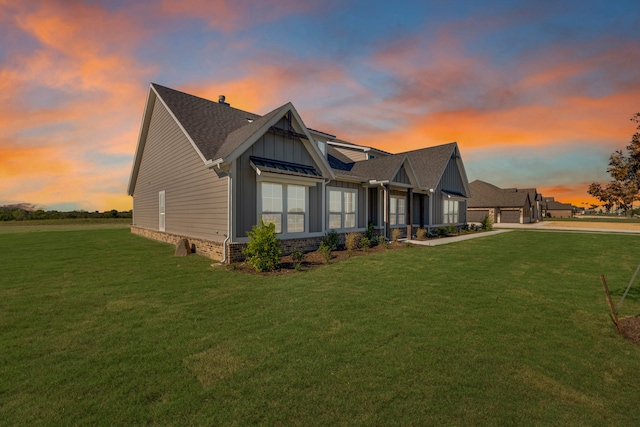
(624,169)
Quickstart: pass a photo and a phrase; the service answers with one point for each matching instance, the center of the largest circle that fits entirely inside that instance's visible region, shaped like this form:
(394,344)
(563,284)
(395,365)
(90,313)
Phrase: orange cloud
(84,62)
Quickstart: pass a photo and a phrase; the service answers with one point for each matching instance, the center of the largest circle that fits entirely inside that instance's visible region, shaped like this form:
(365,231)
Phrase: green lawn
(101,327)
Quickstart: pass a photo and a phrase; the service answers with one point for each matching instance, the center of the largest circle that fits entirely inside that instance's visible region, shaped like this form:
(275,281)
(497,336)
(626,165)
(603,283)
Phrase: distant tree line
(26,211)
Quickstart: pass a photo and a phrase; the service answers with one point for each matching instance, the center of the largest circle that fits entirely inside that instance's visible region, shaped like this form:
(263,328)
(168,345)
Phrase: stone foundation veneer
(214,250)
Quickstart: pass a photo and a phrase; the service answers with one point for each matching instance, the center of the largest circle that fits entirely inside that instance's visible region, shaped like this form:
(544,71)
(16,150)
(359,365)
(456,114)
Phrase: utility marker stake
(613,312)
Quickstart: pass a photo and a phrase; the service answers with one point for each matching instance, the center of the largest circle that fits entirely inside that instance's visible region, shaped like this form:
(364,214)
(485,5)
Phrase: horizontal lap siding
(196,198)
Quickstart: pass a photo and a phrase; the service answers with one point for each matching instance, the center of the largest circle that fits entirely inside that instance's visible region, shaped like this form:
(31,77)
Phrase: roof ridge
(204,99)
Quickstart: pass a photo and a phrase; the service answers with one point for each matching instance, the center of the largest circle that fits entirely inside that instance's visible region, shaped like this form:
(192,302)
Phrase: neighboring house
(536,202)
(555,209)
(501,205)
(208,172)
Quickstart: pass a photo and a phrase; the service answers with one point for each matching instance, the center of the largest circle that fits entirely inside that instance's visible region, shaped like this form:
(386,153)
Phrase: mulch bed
(313,260)
(631,328)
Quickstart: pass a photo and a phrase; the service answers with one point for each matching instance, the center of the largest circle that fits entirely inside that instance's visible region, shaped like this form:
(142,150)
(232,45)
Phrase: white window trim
(162,210)
(285,200)
(456,215)
(396,214)
(354,191)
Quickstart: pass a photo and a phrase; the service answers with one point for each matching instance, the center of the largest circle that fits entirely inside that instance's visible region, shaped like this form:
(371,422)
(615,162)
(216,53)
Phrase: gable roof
(425,166)
(207,123)
(216,130)
(485,195)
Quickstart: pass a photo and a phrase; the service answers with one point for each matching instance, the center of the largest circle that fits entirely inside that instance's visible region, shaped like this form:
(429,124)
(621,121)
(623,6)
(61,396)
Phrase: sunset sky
(537,94)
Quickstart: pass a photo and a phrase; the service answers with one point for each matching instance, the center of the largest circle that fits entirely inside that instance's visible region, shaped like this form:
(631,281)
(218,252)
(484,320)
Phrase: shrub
(395,234)
(325,251)
(331,240)
(452,229)
(442,231)
(263,250)
(371,233)
(465,227)
(351,241)
(365,243)
(297,256)
(487,224)
(383,241)
(421,234)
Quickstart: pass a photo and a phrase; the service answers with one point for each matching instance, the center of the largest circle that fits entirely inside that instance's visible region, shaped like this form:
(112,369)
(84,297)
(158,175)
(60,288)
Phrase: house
(554,209)
(501,205)
(208,172)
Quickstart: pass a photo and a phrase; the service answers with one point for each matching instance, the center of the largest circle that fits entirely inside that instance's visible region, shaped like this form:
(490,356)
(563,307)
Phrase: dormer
(321,139)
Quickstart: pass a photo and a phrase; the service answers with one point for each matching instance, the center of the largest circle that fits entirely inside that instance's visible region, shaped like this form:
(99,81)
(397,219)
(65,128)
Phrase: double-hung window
(451,211)
(398,210)
(285,206)
(342,208)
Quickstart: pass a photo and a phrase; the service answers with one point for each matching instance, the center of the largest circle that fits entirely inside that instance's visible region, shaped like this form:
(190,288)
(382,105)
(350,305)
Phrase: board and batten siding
(275,147)
(451,181)
(401,176)
(195,197)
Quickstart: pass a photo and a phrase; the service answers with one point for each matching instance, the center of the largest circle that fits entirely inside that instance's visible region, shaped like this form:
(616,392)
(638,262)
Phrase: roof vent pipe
(221,100)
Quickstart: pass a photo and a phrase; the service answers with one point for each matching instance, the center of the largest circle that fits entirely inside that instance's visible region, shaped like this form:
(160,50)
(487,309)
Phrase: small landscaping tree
(297,256)
(487,224)
(263,250)
(325,251)
(351,241)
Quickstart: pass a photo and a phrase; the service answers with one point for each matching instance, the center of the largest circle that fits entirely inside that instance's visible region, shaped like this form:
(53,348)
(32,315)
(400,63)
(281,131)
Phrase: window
(161,211)
(451,208)
(398,210)
(272,204)
(295,208)
(322,145)
(342,209)
(285,206)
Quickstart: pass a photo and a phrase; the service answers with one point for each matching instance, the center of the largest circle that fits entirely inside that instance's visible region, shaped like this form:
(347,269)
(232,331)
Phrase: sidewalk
(447,240)
(575,227)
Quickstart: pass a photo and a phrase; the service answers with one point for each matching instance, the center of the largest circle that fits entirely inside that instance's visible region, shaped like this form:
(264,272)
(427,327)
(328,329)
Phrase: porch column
(421,210)
(410,214)
(387,211)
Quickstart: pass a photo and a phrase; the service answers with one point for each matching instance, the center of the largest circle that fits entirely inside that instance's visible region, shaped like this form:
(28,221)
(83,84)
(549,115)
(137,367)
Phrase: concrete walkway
(550,226)
(540,226)
(447,240)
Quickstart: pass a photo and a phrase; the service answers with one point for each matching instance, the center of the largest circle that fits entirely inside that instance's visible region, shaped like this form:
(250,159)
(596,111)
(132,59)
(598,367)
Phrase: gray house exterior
(208,172)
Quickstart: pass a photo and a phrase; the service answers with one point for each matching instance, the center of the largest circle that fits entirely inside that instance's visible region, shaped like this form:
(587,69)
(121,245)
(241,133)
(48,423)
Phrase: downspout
(229,218)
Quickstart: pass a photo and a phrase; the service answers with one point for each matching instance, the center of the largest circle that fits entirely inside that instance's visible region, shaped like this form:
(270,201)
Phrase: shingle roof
(429,163)
(380,168)
(485,195)
(208,123)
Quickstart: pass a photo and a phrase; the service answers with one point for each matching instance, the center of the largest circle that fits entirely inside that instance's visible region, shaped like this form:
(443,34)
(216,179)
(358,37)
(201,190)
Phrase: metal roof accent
(288,168)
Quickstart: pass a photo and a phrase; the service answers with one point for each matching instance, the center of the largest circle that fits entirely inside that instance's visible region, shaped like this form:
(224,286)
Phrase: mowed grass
(101,327)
